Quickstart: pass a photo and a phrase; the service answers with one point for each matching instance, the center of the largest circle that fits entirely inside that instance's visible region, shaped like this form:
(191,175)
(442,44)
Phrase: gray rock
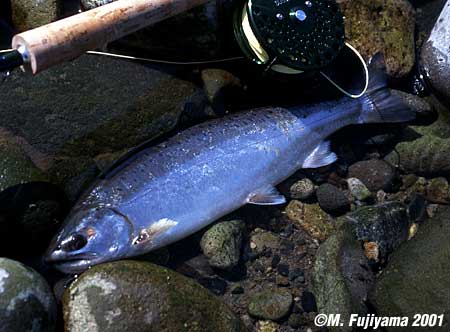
(16,167)
(438,191)
(26,301)
(90,4)
(331,199)
(385,26)
(434,57)
(93,105)
(222,243)
(375,174)
(311,218)
(29,14)
(217,83)
(302,189)
(358,189)
(416,279)
(340,276)
(386,224)
(261,239)
(272,304)
(137,296)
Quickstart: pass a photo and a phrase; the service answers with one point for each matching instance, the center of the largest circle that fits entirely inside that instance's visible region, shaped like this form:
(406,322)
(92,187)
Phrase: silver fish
(169,191)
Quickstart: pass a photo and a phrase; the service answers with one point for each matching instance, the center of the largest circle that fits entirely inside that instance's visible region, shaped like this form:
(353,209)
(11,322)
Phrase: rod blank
(69,38)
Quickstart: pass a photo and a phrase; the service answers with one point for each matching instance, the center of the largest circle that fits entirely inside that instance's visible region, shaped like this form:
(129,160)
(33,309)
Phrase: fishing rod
(69,38)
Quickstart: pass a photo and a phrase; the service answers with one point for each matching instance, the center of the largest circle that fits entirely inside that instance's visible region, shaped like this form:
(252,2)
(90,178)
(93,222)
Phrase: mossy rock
(140,296)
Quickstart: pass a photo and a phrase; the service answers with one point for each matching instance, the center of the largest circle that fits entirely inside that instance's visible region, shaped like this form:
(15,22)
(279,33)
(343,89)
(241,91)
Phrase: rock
(90,4)
(434,58)
(217,83)
(422,153)
(376,174)
(222,243)
(215,285)
(372,251)
(237,289)
(386,224)
(26,301)
(416,278)
(30,14)
(29,204)
(272,304)
(266,326)
(16,167)
(417,208)
(138,296)
(311,218)
(296,321)
(283,269)
(332,200)
(341,278)
(385,26)
(72,115)
(438,191)
(358,189)
(261,240)
(302,189)
(309,302)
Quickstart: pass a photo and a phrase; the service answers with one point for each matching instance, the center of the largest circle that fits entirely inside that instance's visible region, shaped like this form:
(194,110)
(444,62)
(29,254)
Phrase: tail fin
(378,104)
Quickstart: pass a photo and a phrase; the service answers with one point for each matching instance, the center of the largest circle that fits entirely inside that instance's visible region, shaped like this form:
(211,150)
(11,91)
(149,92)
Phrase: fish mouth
(72,263)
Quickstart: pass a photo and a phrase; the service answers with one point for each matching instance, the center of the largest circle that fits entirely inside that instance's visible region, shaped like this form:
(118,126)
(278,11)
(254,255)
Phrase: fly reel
(290,37)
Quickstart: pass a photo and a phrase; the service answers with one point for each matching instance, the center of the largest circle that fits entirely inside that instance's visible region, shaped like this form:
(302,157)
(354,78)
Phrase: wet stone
(29,14)
(416,279)
(438,191)
(375,174)
(137,296)
(417,208)
(386,224)
(302,189)
(385,26)
(309,302)
(26,301)
(341,277)
(332,200)
(311,218)
(283,269)
(272,304)
(358,189)
(222,243)
(215,285)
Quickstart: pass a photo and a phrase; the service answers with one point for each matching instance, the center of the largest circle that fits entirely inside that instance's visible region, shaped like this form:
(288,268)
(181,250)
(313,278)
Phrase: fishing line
(7,50)
(134,58)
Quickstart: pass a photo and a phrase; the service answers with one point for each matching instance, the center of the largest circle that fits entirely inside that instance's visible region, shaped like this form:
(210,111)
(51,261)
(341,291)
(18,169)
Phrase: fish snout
(67,249)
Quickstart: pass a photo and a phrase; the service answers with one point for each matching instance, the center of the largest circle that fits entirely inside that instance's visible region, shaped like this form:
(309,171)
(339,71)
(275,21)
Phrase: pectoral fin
(321,156)
(266,196)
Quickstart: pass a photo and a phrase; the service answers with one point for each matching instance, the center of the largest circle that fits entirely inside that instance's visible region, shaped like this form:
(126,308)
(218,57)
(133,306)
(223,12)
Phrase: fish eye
(74,242)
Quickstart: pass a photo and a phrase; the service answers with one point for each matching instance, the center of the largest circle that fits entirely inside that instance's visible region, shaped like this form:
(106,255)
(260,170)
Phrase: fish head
(88,237)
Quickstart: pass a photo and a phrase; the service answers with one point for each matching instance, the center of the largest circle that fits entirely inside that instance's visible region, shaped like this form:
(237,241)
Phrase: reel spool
(290,37)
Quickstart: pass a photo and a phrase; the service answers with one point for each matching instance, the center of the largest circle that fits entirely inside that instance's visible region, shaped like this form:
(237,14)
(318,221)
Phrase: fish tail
(378,103)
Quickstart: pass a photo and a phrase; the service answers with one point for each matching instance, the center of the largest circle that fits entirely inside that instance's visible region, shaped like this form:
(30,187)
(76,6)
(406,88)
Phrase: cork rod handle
(69,38)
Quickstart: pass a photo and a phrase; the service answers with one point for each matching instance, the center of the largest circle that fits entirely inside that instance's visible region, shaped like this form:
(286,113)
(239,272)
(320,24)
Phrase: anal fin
(321,156)
(266,196)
